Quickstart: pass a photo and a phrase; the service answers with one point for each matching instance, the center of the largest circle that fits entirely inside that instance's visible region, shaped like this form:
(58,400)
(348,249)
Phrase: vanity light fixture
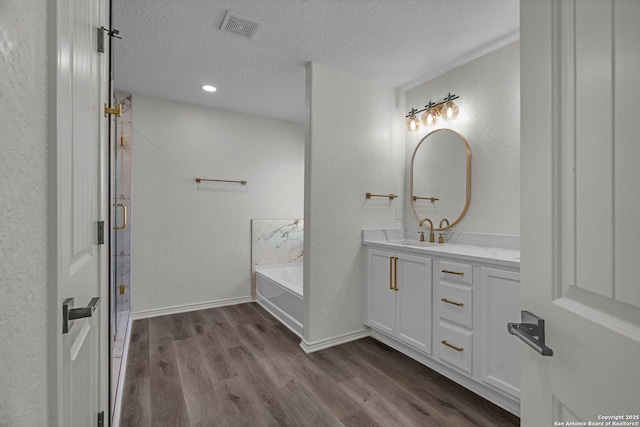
(432,112)
(209,88)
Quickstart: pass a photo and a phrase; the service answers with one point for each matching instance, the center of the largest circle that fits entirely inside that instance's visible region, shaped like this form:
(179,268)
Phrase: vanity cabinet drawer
(456,272)
(455,347)
(455,304)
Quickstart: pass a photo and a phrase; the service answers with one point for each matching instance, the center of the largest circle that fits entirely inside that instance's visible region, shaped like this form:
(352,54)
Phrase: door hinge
(100,47)
(111,33)
(121,289)
(101,232)
(101,419)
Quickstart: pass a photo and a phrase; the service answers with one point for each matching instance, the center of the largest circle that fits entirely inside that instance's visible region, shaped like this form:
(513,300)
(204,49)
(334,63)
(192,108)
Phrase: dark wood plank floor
(238,366)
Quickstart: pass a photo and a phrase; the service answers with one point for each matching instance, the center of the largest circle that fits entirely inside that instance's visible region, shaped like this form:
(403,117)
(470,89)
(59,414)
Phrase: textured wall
(23,230)
(355,144)
(489,89)
(191,242)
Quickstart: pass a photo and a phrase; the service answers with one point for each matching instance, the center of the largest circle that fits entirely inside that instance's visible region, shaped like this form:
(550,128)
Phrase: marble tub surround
(275,241)
(499,248)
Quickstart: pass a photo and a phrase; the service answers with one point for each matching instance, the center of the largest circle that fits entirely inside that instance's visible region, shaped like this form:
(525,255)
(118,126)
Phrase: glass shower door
(120,237)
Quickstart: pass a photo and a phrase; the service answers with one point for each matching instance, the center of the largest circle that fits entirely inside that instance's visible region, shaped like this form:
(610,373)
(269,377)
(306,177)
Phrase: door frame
(54,289)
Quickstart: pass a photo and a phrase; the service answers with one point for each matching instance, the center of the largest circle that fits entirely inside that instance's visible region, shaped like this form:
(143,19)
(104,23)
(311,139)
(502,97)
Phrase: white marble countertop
(487,248)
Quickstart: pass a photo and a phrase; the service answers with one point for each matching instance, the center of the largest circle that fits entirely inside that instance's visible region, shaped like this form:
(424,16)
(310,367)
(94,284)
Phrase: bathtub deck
(237,365)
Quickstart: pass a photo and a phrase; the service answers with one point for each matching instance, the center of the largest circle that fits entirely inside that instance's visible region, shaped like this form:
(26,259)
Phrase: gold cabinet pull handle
(452,346)
(395,274)
(124,216)
(457,273)
(459,304)
(391,272)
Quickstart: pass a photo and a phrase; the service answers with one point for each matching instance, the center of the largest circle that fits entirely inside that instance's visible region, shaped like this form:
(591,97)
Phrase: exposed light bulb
(430,117)
(208,88)
(413,124)
(450,111)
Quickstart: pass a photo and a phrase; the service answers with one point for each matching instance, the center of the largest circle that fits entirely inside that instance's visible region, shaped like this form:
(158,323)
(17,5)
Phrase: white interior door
(580,65)
(81,198)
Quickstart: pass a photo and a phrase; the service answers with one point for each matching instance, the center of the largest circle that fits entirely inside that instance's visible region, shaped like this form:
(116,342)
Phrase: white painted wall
(23,213)
(355,144)
(191,243)
(489,89)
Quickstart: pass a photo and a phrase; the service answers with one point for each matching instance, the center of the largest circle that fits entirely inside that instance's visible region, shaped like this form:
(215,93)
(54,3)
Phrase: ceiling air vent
(240,25)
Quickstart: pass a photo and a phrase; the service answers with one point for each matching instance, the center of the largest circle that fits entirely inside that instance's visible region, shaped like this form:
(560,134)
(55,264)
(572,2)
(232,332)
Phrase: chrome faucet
(431,236)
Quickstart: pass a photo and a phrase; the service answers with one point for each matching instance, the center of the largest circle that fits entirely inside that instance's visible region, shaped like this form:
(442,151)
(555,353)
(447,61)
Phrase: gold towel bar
(433,199)
(390,196)
(199,180)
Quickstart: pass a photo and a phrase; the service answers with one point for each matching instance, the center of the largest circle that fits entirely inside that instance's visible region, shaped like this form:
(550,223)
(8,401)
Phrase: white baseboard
(331,342)
(145,314)
(117,410)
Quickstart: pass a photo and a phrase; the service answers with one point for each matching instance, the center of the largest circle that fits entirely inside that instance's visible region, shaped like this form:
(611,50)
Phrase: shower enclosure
(120,196)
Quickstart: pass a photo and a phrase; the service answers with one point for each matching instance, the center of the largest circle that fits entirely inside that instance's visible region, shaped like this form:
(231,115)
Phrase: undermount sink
(419,243)
(410,242)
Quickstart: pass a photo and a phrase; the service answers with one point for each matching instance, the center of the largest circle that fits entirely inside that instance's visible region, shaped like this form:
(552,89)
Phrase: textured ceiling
(170,48)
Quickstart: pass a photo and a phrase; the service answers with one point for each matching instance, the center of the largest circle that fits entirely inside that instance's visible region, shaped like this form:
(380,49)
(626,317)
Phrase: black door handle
(531,331)
(69,314)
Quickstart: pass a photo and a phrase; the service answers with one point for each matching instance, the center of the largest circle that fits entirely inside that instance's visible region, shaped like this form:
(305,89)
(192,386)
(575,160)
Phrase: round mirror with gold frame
(440,184)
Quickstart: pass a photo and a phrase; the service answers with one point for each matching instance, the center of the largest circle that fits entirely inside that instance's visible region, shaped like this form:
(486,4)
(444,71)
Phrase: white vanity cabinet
(399,296)
(448,308)
(500,353)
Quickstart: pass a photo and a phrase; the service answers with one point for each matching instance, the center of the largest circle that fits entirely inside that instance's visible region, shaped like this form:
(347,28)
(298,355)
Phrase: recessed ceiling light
(208,88)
